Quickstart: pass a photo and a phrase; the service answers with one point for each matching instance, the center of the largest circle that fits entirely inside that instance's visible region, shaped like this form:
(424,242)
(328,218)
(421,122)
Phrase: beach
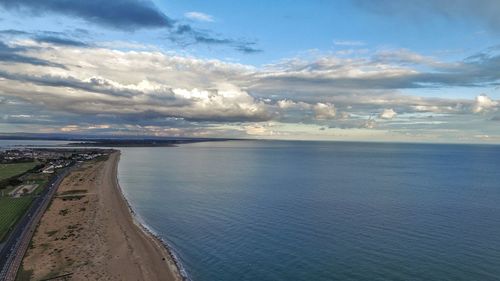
(90,233)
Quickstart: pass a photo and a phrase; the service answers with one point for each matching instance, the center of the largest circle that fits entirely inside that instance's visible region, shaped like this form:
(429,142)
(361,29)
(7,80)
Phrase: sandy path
(93,234)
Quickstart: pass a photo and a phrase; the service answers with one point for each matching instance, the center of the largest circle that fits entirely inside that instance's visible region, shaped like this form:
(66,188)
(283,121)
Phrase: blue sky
(329,70)
(287,28)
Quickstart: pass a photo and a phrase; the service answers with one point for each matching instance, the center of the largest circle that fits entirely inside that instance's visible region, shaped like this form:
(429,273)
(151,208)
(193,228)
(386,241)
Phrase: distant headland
(109,141)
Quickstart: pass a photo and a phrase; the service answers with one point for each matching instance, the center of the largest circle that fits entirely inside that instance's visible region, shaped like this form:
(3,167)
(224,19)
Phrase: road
(14,248)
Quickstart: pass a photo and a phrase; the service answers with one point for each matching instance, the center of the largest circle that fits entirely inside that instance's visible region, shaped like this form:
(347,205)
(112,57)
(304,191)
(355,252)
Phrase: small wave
(139,221)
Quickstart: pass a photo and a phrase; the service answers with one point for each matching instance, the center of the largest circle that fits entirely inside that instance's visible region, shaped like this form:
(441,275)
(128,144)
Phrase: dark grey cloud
(183,29)
(29,112)
(93,85)
(248,48)
(205,39)
(187,35)
(13,32)
(51,37)
(118,14)
(14,55)
(57,40)
(482,11)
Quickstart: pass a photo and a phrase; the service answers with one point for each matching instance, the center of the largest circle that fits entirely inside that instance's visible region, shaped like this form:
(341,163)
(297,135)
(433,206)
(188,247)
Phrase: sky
(360,70)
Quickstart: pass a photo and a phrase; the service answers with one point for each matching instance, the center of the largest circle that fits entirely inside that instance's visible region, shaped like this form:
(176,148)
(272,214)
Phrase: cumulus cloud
(99,82)
(199,16)
(483,103)
(324,111)
(227,103)
(290,104)
(388,114)
(369,124)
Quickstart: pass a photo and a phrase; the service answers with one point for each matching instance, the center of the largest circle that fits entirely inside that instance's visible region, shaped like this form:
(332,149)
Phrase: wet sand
(90,233)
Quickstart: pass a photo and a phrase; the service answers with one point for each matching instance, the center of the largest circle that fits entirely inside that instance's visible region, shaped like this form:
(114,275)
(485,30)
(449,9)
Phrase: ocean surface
(285,211)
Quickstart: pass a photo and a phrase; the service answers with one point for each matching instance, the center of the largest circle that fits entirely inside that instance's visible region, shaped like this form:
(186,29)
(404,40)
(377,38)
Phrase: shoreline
(150,234)
(91,232)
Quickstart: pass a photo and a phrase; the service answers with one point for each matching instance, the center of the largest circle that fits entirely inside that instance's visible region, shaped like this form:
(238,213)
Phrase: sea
(307,211)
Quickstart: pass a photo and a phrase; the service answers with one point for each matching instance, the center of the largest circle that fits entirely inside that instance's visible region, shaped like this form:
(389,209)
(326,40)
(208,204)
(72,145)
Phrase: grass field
(11,209)
(41,186)
(9,170)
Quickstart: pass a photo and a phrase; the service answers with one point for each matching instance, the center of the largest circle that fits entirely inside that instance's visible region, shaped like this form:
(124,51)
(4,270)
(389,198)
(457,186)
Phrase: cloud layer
(82,87)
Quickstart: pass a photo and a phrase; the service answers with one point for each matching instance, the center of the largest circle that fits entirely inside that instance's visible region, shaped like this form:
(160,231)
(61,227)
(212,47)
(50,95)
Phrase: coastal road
(14,248)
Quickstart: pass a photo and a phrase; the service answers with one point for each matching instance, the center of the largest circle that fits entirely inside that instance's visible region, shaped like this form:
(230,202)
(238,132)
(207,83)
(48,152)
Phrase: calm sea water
(289,211)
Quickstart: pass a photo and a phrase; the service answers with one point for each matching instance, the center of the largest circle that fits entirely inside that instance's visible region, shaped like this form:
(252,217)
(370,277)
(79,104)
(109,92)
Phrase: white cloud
(324,111)
(225,103)
(369,124)
(350,43)
(99,80)
(289,104)
(404,56)
(388,114)
(483,103)
(286,104)
(199,16)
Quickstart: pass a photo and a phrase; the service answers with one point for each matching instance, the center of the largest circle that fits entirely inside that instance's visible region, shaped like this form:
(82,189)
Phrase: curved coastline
(179,270)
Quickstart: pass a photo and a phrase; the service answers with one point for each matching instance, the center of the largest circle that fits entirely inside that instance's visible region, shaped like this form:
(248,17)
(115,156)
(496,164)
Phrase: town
(22,171)
(28,177)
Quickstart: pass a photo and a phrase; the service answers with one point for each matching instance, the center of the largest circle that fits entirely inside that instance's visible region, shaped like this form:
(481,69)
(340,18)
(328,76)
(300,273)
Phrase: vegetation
(63,212)
(41,185)
(11,170)
(51,233)
(73,192)
(102,158)
(11,209)
(39,179)
(24,275)
(72,197)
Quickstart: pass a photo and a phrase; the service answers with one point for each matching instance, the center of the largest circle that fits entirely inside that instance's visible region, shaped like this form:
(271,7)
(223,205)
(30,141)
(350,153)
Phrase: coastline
(90,232)
(162,245)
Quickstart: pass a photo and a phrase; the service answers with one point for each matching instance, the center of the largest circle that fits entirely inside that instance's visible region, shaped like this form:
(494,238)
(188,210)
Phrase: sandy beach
(89,233)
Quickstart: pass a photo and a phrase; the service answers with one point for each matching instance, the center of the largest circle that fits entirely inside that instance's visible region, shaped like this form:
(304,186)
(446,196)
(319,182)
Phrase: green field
(11,209)
(41,186)
(10,170)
